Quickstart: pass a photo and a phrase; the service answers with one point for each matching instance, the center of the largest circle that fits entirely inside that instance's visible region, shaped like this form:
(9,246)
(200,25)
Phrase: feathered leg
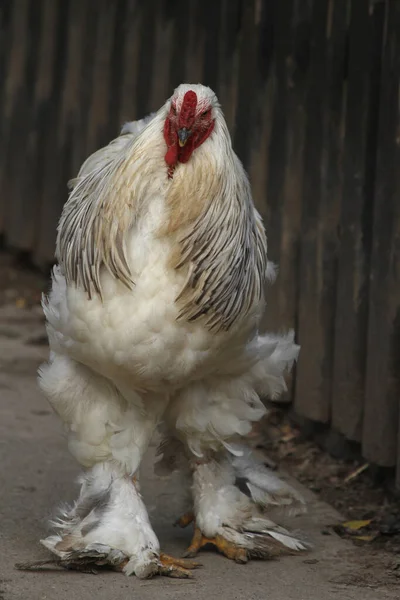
(230,519)
(109,430)
(231,490)
(109,527)
(230,499)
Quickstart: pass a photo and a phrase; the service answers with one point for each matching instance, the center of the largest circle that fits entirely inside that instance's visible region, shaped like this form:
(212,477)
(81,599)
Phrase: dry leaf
(365,538)
(288,437)
(20,303)
(356,525)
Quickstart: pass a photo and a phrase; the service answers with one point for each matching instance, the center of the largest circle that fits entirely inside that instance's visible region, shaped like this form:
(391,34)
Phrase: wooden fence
(310,90)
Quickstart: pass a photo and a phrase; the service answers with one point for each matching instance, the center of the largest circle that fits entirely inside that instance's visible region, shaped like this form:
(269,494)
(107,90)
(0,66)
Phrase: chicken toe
(224,546)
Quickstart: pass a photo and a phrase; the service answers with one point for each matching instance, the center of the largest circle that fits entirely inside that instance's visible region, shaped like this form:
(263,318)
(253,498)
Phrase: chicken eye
(173,109)
(206,112)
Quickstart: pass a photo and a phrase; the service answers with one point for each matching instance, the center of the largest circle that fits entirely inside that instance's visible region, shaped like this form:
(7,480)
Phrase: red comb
(188,109)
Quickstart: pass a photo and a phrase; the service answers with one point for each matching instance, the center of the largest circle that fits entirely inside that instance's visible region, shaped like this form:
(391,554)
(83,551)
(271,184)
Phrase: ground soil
(20,283)
(359,491)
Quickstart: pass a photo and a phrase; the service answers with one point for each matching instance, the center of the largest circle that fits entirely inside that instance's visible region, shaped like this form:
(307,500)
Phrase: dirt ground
(21,284)
(359,491)
(348,562)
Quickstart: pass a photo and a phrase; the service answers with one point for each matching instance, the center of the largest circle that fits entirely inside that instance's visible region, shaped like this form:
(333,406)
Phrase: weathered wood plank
(286,24)
(332,156)
(381,439)
(128,108)
(247,76)
(312,384)
(118,66)
(98,133)
(146,55)
(5,43)
(43,107)
(211,28)
(53,185)
(321,210)
(264,104)
(76,105)
(23,216)
(180,15)
(6,14)
(12,93)
(21,212)
(287,224)
(228,58)
(194,50)
(162,56)
(365,42)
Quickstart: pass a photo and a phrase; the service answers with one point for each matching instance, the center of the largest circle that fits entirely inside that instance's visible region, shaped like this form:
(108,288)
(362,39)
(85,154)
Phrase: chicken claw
(103,557)
(227,548)
(185,520)
(179,568)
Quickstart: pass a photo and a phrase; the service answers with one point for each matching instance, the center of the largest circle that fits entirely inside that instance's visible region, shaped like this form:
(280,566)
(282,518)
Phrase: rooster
(152,322)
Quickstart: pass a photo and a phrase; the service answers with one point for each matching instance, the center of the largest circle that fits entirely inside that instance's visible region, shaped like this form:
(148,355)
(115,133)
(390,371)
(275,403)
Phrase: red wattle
(171,157)
(167,132)
(200,139)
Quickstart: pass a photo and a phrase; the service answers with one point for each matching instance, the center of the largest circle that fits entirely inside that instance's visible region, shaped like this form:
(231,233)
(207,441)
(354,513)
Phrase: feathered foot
(87,560)
(199,540)
(185,520)
(260,538)
(225,547)
(265,487)
(176,567)
(108,527)
(233,521)
(99,556)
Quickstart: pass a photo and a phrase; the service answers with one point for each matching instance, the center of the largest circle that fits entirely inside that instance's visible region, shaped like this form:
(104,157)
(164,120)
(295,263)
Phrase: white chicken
(153,321)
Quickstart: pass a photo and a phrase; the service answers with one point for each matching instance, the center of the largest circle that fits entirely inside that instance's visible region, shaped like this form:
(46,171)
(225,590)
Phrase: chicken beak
(183,136)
